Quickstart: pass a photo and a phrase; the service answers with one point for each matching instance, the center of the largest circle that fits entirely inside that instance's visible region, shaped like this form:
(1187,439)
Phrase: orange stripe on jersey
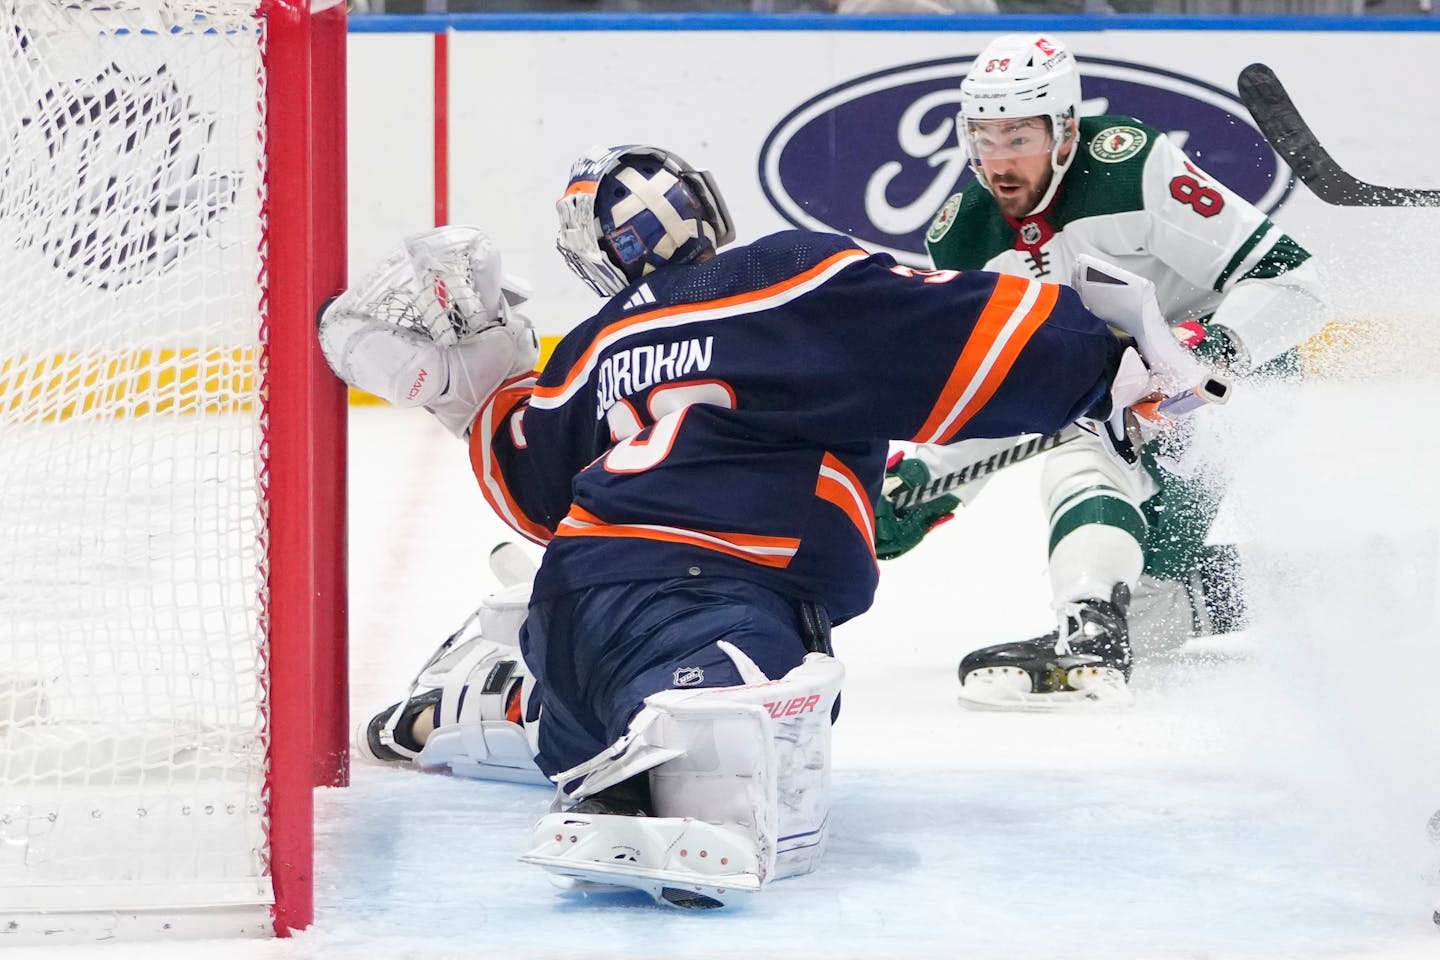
(1016,308)
(753,300)
(766,551)
(838,484)
(1049,293)
(487,468)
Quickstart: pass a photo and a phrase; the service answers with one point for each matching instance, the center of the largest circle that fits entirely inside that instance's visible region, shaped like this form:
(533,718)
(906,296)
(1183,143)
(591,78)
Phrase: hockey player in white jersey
(1128,559)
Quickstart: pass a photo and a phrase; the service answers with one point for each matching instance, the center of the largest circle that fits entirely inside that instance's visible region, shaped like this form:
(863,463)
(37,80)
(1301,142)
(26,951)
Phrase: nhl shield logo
(1030,233)
(689,676)
(1114,144)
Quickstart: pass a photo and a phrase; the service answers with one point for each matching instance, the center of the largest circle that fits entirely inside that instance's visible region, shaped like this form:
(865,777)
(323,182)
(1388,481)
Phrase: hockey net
(138,773)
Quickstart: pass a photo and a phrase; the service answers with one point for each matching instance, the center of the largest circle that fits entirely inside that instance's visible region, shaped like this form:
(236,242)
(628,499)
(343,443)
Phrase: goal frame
(178,464)
(305,251)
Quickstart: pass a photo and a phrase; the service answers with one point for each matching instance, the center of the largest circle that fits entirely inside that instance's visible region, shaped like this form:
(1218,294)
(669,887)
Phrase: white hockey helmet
(630,209)
(1023,75)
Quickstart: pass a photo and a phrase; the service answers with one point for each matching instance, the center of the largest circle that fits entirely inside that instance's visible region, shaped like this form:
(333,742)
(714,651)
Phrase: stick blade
(1278,119)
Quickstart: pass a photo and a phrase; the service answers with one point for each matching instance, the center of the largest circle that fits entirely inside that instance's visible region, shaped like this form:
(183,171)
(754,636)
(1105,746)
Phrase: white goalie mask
(1015,77)
(630,209)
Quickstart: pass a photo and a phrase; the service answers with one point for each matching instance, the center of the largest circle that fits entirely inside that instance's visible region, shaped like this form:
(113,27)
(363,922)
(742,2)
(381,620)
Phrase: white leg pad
(1092,558)
(475,674)
(653,854)
(752,759)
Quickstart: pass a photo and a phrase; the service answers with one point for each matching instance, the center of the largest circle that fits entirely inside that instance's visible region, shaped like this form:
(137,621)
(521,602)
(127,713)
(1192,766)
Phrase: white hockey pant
(475,674)
(752,759)
(1096,531)
(1096,528)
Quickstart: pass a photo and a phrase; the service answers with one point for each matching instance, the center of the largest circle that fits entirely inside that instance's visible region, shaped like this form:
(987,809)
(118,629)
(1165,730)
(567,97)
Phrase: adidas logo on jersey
(640,297)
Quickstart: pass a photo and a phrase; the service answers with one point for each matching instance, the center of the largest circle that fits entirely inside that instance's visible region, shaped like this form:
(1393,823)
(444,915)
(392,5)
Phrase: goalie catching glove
(432,326)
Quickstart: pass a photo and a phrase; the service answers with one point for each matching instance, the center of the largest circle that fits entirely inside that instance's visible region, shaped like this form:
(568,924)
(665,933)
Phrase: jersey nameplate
(1114,144)
(941,224)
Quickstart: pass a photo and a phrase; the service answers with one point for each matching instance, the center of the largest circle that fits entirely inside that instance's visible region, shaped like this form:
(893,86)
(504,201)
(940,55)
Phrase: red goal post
(172,450)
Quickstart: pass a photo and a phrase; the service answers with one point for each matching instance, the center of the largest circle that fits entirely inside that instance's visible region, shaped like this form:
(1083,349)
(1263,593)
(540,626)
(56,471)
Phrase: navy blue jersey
(732,417)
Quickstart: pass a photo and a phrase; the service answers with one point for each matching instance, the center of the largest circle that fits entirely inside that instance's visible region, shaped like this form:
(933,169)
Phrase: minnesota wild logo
(1114,144)
(941,224)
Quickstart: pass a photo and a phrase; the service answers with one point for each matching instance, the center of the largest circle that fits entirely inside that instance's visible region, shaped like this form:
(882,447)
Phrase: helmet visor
(1010,138)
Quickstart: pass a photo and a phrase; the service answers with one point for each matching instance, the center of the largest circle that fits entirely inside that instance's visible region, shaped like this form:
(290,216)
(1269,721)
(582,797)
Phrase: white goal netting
(132,503)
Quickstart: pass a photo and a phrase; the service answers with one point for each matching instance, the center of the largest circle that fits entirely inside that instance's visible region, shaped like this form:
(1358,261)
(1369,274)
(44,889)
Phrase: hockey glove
(1211,342)
(433,326)
(898,531)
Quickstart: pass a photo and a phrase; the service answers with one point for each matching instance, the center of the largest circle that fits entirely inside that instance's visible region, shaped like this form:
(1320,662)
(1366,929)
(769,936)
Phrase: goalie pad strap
(482,680)
(815,628)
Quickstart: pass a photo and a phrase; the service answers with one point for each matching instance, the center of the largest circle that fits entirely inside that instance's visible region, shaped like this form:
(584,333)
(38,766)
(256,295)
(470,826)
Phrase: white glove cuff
(401,366)
(475,368)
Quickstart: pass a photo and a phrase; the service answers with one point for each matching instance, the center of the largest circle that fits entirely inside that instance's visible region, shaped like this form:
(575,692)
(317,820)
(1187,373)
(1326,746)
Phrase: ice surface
(1265,801)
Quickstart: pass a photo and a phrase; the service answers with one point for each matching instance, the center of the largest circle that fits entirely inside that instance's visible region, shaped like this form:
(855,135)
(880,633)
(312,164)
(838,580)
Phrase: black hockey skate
(396,744)
(628,798)
(1089,665)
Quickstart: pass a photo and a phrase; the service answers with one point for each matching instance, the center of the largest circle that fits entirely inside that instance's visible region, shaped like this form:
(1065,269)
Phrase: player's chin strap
(1157,379)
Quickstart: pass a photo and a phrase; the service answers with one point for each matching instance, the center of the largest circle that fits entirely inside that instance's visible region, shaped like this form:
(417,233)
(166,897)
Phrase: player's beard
(1018,204)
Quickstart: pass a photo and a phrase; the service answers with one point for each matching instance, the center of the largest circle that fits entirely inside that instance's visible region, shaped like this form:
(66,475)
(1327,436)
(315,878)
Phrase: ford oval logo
(875,157)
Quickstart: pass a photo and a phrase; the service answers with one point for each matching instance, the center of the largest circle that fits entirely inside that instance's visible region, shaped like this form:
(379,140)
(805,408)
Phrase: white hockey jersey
(1132,198)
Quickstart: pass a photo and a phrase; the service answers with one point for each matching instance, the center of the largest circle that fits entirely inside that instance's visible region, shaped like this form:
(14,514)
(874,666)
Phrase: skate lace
(1073,626)
(1063,637)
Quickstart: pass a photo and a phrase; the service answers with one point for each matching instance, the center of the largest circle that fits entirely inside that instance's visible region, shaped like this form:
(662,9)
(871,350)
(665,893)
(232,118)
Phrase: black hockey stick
(1214,388)
(903,499)
(1292,138)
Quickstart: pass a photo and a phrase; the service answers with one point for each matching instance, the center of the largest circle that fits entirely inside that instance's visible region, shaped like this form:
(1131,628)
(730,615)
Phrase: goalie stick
(1278,119)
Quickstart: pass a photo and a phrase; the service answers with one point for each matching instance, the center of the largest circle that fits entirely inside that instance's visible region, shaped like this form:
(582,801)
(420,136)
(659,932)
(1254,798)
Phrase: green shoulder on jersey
(1107,176)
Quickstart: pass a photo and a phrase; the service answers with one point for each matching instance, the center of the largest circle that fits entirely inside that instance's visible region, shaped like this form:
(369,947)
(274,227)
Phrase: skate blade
(678,889)
(987,698)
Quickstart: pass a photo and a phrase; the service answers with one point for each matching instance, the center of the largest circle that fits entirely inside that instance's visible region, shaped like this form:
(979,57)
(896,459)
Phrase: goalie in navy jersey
(701,459)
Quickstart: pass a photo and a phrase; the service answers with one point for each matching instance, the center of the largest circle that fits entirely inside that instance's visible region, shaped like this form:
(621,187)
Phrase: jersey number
(927,276)
(1190,191)
(668,404)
